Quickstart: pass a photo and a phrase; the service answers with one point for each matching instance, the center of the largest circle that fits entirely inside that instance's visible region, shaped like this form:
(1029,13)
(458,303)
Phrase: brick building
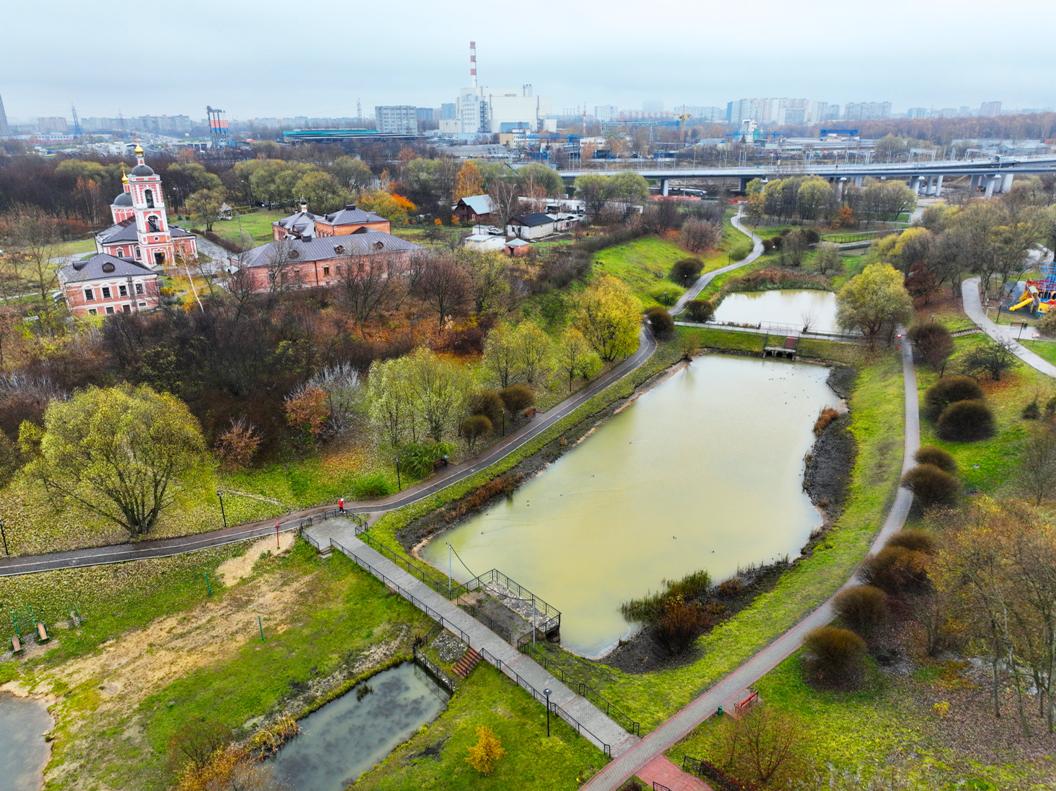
(141,230)
(104,284)
(345,221)
(294,262)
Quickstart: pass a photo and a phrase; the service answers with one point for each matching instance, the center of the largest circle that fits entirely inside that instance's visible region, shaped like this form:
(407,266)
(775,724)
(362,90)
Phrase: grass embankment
(876,423)
(1046,350)
(249,229)
(435,757)
(643,264)
(887,725)
(73,247)
(174,656)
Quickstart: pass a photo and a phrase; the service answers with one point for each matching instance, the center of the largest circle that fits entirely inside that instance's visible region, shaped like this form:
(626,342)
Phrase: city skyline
(593,58)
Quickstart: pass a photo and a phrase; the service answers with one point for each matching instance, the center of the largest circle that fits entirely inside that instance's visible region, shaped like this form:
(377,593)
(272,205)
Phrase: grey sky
(269,58)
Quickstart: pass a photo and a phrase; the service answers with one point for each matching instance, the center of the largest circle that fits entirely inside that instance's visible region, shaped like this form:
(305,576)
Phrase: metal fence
(525,684)
(584,690)
(496,579)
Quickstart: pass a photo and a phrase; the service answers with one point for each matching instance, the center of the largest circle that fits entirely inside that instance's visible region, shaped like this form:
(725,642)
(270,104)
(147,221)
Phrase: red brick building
(349,220)
(141,230)
(104,284)
(322,261)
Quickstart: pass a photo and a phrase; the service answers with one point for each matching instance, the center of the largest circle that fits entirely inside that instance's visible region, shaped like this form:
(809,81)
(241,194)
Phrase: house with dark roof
(474,209)
(344,221)
(104,284)
(322,261)
(531,226)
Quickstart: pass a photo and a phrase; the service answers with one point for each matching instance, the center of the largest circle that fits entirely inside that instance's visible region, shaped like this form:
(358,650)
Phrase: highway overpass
(992,175)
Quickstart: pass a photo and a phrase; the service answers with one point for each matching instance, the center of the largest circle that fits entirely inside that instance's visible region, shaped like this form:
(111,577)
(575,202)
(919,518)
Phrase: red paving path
(664,773)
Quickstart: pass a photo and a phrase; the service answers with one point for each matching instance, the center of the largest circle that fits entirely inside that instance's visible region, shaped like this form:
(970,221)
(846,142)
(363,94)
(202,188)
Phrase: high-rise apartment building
(398,119)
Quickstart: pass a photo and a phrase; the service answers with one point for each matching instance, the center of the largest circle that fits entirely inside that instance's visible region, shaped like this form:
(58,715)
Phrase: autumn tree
(389,402)
(592,190)
(1037,472)
(536,180)
(762,746)
(437,390)
(500,354)
(874,301)
(392,206)
(307,411)
(489,280)
(609,318)
(320,190)
(827,258)
(237,444)
(575,357)
(932,344)
(366,285)
(468,181)
(505,201)
(352,172)
(532,352)
(485,754)
(700,235)
(119,452)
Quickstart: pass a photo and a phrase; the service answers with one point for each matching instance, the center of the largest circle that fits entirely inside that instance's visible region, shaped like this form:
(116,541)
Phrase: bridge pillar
(977,182)
(1006,182)
(840,182)
(665,187)
(992,183)
(938,186)
(858,181)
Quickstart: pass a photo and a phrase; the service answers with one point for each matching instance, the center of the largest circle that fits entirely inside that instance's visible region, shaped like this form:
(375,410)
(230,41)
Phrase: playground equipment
(1039,296)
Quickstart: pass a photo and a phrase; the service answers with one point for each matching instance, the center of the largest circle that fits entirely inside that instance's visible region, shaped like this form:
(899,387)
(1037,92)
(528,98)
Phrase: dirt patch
(828,467)
(841,380)
(238,568)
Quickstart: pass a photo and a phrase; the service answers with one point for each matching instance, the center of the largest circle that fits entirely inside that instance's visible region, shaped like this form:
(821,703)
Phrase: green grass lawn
(1044,349)
(643,264)
(989,465)
(876,423)
(532,761)
(73,247)
(250,229)
(886,725)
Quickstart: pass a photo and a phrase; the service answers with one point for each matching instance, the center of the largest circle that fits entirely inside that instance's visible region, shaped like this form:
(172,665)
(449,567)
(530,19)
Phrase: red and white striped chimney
(473,63)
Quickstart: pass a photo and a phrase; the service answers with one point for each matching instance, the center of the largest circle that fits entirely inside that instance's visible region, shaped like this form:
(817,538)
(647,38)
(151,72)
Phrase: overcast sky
(269,58)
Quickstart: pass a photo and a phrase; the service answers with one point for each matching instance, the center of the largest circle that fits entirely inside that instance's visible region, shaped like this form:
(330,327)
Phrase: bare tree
(504,200)
(1037,473)
(366,286)
(445,284)
(278,264)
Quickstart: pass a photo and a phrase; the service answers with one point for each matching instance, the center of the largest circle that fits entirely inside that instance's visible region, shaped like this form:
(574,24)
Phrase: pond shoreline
(16,691)
(825,473)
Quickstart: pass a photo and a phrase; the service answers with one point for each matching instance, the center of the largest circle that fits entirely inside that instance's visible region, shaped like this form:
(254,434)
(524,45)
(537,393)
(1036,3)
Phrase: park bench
(16,645)
(42,633)
(742,706)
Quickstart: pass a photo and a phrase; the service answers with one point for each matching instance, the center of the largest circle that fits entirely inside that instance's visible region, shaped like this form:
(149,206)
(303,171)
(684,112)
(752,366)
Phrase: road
(1001,333)
(731,687)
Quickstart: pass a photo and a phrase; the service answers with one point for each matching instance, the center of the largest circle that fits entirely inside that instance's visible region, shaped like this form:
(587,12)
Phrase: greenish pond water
(703,471)
(796,307)
(23,751)
(347,736)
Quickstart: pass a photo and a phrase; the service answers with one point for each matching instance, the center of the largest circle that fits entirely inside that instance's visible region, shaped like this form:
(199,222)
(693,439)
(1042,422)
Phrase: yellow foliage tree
(487,752)
(609,317)
(468,181)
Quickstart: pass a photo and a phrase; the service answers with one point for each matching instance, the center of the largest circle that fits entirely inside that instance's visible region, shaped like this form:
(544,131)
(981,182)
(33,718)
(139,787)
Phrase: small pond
(794,307)
(703,471)
(23,750)
(347,736)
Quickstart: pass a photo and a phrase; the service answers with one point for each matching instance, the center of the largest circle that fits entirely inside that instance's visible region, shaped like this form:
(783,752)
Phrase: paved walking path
(598,727)
(1001,333)
(703,280)
(733,684)
(661,772)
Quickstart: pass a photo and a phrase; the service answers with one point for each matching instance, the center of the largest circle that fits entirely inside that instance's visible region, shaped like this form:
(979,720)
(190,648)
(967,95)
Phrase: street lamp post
(3,534)
(547,693)
(223,512)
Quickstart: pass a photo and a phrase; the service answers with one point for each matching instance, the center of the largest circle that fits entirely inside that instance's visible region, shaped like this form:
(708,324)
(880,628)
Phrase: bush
(666,293)
(679,624)
(419,458)
(649,609)
(897,570)
(932,343)
(489,404)
(517,398)
(834,656)
(700,310)
(990,358)
(949,390)
(915,539)
(699,235)
(862,607)
(966,421)
(686,270)
(370,485)
(929,454)
(1047,324)
(825,419)
(931,485)
(473,428)
(660,322)
(1032,411)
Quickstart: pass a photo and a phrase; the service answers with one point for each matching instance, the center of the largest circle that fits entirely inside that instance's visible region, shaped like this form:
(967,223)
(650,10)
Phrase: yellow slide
(1027,300)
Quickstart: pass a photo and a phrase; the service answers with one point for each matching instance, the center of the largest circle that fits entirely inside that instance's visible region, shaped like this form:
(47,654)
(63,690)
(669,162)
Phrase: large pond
(347,736)
(704,470)
(23,750)
(794,307)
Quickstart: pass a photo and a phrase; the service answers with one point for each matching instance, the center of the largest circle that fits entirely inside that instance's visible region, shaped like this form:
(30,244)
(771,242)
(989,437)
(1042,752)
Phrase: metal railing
(427,664)
(525,684)
(583,689)
(495,578)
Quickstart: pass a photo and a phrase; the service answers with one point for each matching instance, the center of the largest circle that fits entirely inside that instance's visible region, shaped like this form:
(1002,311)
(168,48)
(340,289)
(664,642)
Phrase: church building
(141,230)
